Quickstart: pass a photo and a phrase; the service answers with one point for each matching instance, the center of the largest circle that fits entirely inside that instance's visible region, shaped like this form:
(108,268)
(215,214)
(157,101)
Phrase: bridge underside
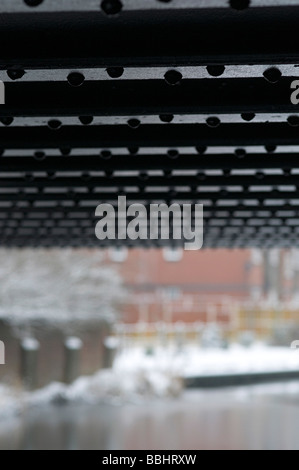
(162,101)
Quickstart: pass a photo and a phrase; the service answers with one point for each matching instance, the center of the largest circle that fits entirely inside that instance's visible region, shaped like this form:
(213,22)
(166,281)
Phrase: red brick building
(192,286)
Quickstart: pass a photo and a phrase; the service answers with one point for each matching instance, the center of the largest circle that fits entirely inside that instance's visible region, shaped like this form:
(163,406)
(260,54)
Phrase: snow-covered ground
(193,361)
(136,375)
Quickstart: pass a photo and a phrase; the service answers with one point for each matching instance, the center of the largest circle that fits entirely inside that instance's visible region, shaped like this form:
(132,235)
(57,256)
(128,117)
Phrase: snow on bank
(193,361)
(108,385)
(137,375)
(112,386)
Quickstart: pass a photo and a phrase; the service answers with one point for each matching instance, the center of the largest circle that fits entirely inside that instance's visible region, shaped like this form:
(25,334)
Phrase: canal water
(259,417)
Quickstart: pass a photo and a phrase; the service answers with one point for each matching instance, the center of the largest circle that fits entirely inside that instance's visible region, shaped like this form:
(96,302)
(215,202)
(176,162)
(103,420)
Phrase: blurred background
(149,349)
(162,102)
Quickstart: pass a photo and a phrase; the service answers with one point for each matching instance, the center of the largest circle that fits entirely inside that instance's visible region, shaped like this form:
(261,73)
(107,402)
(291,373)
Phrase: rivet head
(111,7)
(173,77)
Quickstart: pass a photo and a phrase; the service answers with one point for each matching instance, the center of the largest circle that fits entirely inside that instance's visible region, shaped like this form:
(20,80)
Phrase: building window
(118,255)
(173,255)
(256,257)
(172,293)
